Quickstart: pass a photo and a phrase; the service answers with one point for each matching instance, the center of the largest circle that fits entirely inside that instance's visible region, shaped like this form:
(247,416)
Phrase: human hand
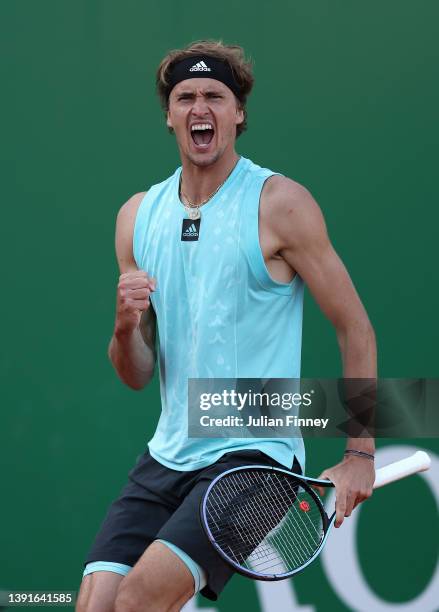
(133,298)
(353,478)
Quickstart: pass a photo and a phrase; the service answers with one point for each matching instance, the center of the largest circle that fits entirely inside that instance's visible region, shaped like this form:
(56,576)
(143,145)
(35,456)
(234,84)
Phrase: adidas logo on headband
(200,67)
(204,66)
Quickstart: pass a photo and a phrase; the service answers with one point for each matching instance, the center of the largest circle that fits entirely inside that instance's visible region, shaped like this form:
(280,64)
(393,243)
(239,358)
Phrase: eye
(185,95)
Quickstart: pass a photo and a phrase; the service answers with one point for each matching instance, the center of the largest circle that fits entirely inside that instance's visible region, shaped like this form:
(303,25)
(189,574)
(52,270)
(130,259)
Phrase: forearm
(359,355)
(132,358)
(358,351)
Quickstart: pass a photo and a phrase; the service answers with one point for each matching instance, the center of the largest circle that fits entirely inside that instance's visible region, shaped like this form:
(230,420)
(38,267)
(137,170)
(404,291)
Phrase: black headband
(203,66)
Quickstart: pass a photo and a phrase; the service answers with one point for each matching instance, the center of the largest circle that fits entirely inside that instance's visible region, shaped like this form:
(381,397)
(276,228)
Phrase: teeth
(202,126)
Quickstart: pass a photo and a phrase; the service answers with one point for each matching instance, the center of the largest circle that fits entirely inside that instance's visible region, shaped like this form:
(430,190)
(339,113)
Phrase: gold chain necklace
(192,209)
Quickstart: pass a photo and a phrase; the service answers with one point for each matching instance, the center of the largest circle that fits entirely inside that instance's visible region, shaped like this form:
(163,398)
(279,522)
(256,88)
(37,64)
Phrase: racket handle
(418,462)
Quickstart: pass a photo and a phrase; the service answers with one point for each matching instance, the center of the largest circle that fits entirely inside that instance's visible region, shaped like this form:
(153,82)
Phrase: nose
(200,104)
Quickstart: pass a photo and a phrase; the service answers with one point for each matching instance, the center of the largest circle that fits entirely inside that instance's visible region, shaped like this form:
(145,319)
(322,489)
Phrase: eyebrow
(191,93)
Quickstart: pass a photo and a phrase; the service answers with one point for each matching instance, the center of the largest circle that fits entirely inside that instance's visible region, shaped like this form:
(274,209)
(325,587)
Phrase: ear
(168,120)
(239,116)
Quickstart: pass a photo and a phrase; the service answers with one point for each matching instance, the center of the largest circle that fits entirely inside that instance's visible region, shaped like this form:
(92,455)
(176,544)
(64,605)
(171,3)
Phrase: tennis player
(215,257)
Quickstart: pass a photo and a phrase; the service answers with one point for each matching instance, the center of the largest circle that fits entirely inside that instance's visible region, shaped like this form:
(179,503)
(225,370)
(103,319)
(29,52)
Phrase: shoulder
(128,211)
(284,198)
(290,209)
(124,232)
(277,189)
(283,194)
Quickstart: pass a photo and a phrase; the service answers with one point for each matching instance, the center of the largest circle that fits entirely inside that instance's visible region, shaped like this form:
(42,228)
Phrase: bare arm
(302,240)
(132,346)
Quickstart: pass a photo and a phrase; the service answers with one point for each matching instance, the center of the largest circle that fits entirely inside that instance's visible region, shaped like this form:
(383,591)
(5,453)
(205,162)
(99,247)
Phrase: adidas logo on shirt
(191,231)
(200,67)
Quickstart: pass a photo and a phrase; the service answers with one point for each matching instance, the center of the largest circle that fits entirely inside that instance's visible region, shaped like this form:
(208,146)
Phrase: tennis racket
(269,523)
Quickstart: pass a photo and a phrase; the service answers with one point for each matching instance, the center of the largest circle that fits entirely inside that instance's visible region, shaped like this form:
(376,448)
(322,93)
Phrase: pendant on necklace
(193,213)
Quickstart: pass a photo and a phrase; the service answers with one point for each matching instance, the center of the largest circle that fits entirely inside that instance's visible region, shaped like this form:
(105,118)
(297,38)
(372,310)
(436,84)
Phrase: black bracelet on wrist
(351,451)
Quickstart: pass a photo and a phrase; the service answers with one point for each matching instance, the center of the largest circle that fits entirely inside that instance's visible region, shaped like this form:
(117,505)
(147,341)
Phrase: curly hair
(233,54)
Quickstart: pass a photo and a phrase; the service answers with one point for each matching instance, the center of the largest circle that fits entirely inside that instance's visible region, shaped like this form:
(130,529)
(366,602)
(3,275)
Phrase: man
(216,256)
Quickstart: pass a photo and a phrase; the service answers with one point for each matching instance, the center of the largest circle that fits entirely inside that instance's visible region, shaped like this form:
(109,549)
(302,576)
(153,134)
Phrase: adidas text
(200,67)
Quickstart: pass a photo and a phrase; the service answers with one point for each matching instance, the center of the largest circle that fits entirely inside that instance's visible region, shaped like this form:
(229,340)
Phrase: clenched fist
(133,291)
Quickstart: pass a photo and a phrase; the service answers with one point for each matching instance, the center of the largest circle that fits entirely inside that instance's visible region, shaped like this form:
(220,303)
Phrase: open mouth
(202,138)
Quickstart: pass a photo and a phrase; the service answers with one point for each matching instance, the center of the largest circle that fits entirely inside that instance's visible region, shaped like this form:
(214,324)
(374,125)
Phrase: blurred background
(346,103)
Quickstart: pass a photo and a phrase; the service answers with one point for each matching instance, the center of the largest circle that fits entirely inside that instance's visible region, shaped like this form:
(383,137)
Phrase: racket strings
(280,504)
(238,534)
(264,521)
(294,531)
(300,531)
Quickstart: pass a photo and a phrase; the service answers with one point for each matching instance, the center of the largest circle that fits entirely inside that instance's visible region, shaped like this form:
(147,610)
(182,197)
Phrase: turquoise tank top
(219,312)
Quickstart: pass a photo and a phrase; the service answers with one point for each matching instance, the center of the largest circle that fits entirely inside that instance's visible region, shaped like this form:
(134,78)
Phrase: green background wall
(345,102)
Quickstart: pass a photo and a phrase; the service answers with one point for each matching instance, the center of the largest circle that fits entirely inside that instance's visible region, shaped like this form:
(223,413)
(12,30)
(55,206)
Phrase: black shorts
(158,502)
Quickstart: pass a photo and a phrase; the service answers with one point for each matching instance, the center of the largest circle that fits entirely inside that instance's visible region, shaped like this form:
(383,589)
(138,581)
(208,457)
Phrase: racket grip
(418,462)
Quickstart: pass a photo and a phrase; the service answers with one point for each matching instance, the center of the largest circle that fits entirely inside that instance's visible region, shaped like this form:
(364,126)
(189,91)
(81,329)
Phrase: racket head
(266,522)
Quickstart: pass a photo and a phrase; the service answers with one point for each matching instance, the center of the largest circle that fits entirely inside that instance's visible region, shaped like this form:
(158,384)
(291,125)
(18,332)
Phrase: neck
(198,182)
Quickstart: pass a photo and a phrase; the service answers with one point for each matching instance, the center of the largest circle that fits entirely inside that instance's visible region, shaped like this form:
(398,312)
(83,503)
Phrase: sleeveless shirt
(219,312)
